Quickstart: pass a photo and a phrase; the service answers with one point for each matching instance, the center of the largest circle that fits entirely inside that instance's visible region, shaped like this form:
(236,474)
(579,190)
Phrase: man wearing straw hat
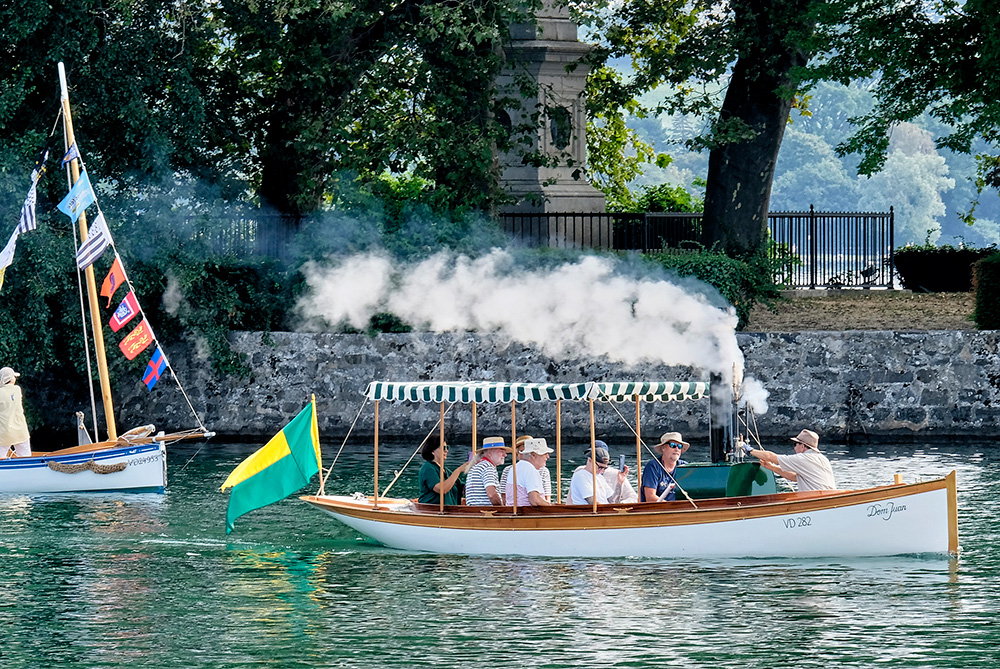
(658,483)
(14,437)
(481,485)
(807,467)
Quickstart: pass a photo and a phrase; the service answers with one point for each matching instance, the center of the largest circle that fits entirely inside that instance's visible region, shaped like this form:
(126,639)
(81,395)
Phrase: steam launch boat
(728,510)
(135,460)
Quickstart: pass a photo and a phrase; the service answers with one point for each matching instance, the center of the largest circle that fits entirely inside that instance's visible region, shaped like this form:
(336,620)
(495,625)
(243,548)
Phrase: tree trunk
(295,157)
(757,102)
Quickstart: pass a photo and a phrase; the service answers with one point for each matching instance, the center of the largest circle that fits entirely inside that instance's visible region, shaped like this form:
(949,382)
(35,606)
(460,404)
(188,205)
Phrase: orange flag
(137,340)
(114,279)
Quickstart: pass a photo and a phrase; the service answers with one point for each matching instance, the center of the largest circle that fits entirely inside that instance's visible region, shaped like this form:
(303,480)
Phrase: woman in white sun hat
(14,437)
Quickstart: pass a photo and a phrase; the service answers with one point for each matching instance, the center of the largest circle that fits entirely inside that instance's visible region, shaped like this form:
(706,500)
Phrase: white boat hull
(893,520)
(145,470)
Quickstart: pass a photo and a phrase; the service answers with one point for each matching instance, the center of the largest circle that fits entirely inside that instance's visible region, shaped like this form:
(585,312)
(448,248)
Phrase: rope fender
(89,465)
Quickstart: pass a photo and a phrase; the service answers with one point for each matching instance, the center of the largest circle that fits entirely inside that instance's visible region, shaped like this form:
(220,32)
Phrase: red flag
(125,312)
(114,279)
(137,340)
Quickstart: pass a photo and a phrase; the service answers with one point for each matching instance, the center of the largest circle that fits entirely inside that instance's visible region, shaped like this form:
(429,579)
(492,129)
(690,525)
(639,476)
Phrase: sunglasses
(601,466)
(674,444)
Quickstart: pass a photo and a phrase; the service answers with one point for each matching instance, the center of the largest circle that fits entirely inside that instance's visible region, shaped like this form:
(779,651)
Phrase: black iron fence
(834,249)
(816,249)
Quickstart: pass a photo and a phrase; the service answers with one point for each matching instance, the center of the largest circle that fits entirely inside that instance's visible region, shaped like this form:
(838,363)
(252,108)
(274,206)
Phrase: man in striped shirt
(481,485)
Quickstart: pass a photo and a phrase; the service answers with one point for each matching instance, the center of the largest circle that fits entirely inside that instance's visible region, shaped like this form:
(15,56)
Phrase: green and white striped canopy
(653,391)
(465,392)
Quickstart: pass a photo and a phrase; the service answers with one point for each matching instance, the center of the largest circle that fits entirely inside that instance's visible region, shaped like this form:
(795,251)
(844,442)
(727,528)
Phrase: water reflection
(152,580)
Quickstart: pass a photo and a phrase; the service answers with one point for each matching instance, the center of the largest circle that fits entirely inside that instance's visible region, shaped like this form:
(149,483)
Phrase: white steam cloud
(586,307)
(753,395)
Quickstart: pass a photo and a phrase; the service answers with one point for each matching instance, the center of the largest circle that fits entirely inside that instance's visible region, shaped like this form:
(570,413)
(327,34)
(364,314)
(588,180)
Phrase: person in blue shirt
(658,484)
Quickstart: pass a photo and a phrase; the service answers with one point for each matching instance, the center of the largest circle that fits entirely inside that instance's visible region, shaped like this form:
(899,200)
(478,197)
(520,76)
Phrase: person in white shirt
(543,472)
(581,487)
(807,467)
(530,491)
(14,438)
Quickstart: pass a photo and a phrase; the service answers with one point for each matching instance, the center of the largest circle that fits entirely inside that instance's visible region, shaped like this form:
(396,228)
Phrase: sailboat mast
(95,313)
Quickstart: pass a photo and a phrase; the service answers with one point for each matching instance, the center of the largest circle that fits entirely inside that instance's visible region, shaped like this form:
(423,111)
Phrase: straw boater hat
(807,438)
(669,437)
(7,375)
(493,442)
(536,446)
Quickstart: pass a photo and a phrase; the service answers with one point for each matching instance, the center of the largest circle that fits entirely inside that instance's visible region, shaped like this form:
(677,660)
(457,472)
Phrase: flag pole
(95,313)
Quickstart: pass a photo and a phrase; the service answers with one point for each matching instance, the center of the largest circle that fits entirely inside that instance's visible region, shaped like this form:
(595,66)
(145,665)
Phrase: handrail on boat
(119,443)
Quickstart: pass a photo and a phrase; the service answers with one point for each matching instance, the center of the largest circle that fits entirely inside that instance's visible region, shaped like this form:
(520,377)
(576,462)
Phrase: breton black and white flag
(97,240)
(28,221)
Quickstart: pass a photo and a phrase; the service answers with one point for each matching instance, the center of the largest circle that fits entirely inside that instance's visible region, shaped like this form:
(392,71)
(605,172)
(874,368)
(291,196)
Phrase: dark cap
(600,453)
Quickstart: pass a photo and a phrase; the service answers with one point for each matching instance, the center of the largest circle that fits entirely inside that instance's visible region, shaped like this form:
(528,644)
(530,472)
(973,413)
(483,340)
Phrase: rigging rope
(655,458)
(83,310)
(142,313)
(407,463)
(322,481)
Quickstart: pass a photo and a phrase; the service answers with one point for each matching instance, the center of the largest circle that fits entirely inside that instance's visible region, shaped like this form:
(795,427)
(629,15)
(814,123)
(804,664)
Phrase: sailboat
(135,460)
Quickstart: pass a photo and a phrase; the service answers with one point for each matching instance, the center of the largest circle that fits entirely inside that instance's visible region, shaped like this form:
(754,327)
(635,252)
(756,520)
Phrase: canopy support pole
(593,451)
(513,442)
(441,464)
(558,451)
(475,436)
(375,505)
(638,446)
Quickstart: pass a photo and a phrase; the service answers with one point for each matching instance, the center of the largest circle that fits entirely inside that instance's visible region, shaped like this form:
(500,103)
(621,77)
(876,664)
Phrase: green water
(152,581)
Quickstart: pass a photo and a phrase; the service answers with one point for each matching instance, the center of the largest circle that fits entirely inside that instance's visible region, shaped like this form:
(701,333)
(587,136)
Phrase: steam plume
(590,306)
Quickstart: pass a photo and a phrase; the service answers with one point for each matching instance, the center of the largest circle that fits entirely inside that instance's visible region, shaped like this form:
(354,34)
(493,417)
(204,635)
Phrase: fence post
(892,248)
(813,245)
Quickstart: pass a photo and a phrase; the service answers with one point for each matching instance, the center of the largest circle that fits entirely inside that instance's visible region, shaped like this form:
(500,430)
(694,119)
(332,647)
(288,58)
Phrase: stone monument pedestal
(546,175)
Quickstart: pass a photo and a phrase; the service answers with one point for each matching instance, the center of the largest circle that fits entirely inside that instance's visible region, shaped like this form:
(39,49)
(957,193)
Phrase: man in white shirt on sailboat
(581,487)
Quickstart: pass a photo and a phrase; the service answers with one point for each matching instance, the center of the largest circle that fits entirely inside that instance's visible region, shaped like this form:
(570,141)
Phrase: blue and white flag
(73,153)
(97,240)
(80,196)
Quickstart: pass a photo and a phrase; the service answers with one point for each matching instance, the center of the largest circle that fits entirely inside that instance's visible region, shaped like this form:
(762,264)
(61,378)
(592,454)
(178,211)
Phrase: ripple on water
(153,581)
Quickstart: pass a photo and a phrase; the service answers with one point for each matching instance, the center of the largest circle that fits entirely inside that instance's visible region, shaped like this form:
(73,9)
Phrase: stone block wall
(884,384)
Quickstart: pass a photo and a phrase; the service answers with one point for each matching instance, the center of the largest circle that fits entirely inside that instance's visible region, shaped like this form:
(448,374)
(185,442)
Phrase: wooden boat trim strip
(612,518)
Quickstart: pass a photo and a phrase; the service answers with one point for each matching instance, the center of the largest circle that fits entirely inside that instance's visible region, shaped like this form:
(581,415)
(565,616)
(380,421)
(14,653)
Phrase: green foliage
(743,283)
(938,269)
(669,198)
(211,298)
(615,153)
(987,286)
(888,45)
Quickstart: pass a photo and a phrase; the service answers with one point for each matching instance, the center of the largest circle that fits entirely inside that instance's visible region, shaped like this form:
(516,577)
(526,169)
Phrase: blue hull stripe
(76,458)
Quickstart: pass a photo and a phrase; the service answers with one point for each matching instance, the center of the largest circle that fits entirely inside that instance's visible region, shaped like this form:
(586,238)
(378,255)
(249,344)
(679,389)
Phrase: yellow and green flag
(284,464)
